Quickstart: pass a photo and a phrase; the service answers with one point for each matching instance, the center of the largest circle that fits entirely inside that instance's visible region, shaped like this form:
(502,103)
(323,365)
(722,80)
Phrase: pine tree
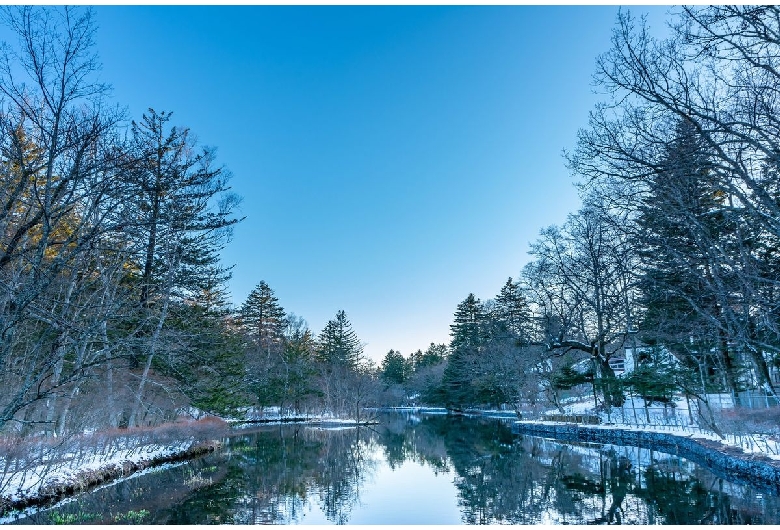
(467,331)
(339,344)
(511,313)
(394,368)
(182,207)
(468,335)
(263,318)
(685,287)
(435,354)
(297,368)
(263,321)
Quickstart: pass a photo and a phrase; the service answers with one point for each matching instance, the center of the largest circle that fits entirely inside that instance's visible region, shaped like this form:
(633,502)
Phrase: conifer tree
(468,335)
(182,207)
(511,313)
(685,286)
(467,330)
(298,369)
(263,322)
(394,368)
(339,344)
(263,318)
(434,354)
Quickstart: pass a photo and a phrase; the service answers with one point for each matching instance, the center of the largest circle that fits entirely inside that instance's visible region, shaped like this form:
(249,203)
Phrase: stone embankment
(726,461)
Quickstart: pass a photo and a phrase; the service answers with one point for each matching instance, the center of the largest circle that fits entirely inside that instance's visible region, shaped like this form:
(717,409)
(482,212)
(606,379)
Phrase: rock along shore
(728,462)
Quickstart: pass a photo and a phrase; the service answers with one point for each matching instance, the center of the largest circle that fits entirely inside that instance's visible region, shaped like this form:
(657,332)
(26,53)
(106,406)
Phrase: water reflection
(295,474)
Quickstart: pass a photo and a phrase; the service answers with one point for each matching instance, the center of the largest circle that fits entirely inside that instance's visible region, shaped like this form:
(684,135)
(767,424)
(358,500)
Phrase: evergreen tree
(297,368)
(394,369)
(208,363)
(435,354)
(468,335)
(685,287)
(511,313)
(339,344)
(263,321)
(263,318)
(182,207)
(467,330)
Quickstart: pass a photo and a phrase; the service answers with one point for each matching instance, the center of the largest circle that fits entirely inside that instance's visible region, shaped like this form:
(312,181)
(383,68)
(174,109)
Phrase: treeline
(674,254)
(113,302)
(285,365)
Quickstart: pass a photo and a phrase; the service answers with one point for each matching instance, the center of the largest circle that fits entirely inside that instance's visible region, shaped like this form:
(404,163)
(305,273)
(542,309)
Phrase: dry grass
(756,421)
(37,456)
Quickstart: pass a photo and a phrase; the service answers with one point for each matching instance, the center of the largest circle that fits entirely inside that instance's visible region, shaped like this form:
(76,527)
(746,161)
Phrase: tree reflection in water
(282,474)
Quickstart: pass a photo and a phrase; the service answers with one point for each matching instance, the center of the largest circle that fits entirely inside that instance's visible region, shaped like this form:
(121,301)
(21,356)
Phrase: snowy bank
(272,415)
(38,472)
(727,461)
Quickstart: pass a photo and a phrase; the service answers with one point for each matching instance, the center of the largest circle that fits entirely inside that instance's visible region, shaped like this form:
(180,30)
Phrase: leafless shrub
(746,420)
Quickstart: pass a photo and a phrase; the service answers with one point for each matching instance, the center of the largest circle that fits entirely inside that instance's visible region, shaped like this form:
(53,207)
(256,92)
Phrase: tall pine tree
(468,335)
(511,313)
(263,321)
(685,286)
(339,344)
(262,318)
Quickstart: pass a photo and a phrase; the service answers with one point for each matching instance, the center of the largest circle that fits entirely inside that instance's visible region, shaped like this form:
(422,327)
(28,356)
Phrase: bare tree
(582,282)
(718,74)
(56,166)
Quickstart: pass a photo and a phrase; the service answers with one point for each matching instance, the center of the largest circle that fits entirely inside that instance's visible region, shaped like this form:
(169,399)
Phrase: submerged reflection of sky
(409,494)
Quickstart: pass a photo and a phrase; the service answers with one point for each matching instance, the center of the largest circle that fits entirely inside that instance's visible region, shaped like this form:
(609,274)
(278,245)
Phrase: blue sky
(391,160)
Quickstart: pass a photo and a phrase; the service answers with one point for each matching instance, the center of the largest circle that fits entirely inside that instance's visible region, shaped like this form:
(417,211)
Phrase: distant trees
(424,383)
(492,358)
(394,368)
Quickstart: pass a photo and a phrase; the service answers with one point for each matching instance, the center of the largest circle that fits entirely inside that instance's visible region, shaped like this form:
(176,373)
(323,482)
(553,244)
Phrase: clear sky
(391,160)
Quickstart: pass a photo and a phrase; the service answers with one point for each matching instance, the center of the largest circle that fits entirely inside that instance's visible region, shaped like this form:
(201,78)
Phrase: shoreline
(87,480)
(726,461)
(729,462)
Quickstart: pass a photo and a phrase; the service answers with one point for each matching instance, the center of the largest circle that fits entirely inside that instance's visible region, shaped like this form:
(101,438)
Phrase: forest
(114,308)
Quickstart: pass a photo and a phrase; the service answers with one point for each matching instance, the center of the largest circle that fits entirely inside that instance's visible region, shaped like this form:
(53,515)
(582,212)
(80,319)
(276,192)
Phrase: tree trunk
(132,422)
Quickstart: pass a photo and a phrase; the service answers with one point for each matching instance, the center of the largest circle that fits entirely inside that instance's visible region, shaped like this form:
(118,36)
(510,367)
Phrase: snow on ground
(27,471)
(677,419)
(17,484)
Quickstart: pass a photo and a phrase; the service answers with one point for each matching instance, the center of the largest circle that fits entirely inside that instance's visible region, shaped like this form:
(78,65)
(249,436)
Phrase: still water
(413,469)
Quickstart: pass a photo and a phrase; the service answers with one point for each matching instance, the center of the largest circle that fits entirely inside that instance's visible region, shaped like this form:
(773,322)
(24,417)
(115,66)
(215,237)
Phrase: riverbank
(727,461)
(41,472)
(86,479)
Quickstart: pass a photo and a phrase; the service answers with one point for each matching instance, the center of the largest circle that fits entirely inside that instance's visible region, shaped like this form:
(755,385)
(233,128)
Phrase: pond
(419,469)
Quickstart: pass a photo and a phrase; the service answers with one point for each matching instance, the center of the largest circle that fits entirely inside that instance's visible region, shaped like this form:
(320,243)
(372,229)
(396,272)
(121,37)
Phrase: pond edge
(728,462)
(87,480)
